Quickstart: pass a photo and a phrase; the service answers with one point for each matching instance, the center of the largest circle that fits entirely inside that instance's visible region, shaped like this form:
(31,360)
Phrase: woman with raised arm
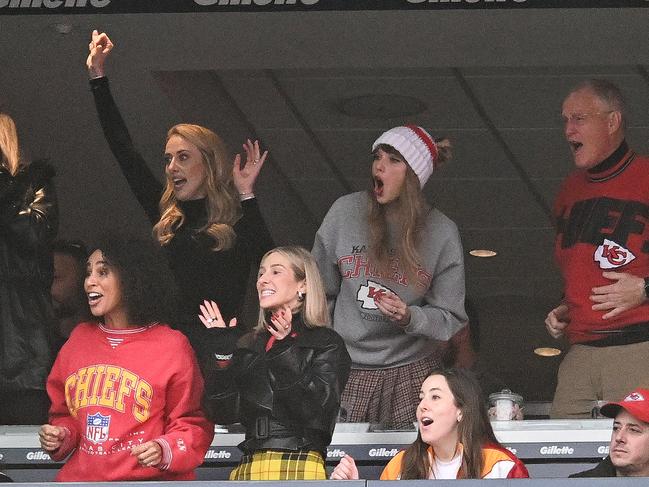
(283,380)
(206,216)
(455,438)
(28,225)
(393,267)
(125,388)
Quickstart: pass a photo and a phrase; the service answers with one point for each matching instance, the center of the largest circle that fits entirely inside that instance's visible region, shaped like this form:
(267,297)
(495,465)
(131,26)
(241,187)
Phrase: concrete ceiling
(491,80)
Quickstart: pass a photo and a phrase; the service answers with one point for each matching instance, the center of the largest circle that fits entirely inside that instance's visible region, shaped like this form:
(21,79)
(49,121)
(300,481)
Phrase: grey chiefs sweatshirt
(436,299)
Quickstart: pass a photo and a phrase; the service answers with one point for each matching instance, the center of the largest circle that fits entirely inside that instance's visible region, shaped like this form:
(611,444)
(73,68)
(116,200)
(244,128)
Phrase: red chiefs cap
(636,403)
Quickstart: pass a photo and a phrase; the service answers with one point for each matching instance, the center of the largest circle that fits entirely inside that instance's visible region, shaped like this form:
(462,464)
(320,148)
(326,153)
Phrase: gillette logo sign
(214,454)
(335,453)
(37,455)
(53,3)
(556,450)
(383,452)
(209,3)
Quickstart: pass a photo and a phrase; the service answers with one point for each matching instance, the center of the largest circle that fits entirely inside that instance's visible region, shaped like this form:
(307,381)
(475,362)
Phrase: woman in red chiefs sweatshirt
(126,388)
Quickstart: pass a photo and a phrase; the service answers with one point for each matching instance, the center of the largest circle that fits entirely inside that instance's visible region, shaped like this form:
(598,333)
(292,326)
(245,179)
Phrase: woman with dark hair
(284,379)
(394,268)
(126,389)
(205,217)
(455,438)
(28,225)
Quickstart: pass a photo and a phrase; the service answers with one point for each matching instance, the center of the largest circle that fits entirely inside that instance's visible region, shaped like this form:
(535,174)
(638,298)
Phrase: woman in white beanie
(393,267)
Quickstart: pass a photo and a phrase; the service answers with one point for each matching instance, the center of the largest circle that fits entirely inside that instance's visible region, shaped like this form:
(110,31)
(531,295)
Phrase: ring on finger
(211,319)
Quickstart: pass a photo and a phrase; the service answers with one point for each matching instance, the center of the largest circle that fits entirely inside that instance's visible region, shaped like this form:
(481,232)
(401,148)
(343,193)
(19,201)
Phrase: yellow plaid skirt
(280,465)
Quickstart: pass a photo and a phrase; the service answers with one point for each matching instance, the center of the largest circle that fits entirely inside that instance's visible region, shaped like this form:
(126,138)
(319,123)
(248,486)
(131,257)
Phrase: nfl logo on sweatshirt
(97,426)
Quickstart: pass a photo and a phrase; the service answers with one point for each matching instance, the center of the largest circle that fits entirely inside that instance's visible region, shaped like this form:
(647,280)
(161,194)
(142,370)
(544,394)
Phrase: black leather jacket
(28,224)
(287,398)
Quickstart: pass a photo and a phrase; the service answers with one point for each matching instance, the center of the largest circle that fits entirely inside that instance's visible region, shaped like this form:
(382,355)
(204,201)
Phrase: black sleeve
(221,369)
(309,381)
(143,183)
(8,189)
(30,217)
(253,229)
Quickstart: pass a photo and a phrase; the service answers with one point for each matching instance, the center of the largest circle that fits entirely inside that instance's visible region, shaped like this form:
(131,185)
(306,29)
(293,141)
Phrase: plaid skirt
(385,396)
(280,465)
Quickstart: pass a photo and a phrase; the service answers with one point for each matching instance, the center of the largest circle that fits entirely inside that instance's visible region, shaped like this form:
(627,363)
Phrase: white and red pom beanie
(416,145)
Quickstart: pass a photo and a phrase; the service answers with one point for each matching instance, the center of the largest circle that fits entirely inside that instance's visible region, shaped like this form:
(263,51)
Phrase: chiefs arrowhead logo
(634,396)
(368,292)
(611,255)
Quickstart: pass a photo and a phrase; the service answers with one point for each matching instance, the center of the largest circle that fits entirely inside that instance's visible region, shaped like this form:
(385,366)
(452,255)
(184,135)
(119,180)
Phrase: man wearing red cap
(629,449)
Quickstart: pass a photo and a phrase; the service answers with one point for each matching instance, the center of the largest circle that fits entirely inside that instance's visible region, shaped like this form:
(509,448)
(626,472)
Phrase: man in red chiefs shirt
(602,248)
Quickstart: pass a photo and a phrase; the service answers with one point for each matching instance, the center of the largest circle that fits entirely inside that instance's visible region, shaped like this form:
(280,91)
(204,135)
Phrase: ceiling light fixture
(483,253)
(547,351)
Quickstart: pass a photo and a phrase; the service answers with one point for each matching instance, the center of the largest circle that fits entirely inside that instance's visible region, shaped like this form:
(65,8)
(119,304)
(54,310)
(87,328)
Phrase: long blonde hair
(411,209)
(223,206)
(9,147)
(314,305)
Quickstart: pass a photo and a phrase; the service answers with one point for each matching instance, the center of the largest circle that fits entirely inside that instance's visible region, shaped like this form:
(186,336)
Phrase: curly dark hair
(148,287)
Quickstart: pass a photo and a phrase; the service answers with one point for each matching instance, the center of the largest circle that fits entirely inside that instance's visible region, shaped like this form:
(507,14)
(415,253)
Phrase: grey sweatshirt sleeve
(324,254)
(442,314)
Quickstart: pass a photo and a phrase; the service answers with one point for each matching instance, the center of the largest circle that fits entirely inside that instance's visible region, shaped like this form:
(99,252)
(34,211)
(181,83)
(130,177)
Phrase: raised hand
(211,317)
(244,179)
(99,47)
(281,322)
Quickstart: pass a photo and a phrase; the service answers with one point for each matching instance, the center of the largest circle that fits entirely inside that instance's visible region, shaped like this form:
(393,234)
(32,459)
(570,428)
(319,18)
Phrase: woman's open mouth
(378,187)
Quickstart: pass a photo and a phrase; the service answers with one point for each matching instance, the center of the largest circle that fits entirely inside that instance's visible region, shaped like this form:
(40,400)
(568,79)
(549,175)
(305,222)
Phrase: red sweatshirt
(115,389)
(602,225)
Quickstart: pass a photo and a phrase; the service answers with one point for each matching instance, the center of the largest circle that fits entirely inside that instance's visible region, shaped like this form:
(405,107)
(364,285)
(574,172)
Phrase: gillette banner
(24,7)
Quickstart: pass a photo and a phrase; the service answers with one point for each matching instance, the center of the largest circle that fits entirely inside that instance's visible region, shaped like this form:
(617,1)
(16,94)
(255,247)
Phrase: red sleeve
(59,414)
(188,433)
(518,471)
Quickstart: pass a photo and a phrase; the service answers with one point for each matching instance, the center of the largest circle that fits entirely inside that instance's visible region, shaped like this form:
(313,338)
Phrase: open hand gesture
(281,322)
(244,178)
(625,292)
(211,316)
